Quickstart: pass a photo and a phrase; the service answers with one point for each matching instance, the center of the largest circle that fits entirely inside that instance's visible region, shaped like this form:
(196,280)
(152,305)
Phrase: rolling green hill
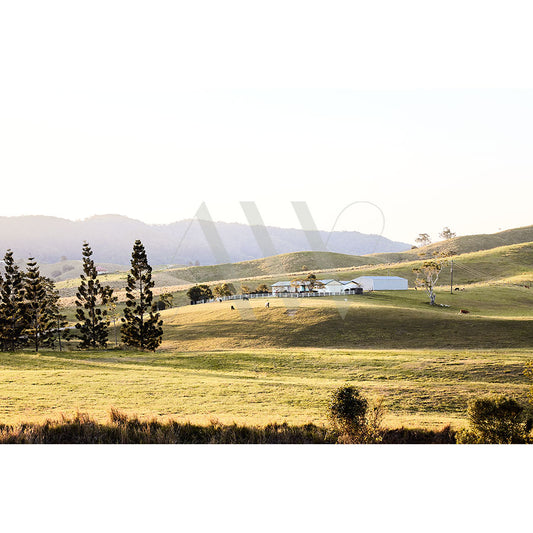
(257,365)
(380,320)
(507,264)
(480,258)
(271,266)
(510,265)
(462,245)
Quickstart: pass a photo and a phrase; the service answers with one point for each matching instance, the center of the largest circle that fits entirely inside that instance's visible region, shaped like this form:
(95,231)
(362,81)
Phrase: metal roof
(380,277)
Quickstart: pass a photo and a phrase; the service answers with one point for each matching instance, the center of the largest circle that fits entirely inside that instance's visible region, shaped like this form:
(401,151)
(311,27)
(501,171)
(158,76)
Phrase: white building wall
(390,285)
(366,283)
(334,286)
(382,284)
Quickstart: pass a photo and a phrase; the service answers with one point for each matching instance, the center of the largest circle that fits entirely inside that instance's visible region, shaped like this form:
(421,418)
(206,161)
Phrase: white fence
(278,295)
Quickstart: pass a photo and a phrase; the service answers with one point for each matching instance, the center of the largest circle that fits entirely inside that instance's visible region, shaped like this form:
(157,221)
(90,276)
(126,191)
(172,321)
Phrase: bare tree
(447,234)
(423,239)
(427,275)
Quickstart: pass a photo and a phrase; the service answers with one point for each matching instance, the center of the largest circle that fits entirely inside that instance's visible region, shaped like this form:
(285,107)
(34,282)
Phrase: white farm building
(333,286)
(382,283)
(325,286)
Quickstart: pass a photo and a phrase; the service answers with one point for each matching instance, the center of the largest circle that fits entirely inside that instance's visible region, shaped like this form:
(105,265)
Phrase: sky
(115,108)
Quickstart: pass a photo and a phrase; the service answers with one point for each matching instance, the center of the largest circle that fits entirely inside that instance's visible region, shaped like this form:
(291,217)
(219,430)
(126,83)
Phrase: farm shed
(329,285)
(326,286)
(283,286)
(382,283)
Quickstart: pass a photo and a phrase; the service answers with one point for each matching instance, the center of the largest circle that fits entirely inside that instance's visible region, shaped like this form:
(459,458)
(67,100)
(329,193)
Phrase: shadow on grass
(362,328)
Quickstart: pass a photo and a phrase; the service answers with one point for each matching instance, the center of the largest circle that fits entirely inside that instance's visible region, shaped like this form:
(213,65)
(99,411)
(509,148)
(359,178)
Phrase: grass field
(254,365)
(258,365)
(420,388)
(387,320)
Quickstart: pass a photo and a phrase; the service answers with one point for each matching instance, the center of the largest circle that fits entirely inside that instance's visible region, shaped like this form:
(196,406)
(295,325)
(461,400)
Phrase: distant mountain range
(51,239)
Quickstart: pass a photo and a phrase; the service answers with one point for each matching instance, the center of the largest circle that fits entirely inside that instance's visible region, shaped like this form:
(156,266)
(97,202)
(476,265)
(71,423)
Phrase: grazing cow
(464,312)
(232,308)
(267,305)
(245,298)
(457,289)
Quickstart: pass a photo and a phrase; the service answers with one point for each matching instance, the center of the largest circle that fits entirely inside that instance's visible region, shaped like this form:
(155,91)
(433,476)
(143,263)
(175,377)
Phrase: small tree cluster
(223,289)
(29,307)
(260,289)
(199,293)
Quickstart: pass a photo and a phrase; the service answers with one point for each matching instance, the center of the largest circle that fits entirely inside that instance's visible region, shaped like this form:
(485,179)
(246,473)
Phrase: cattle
(232,308)
(464,312)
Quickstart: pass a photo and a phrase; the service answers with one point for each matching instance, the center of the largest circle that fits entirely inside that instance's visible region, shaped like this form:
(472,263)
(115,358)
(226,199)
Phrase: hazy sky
(147,110)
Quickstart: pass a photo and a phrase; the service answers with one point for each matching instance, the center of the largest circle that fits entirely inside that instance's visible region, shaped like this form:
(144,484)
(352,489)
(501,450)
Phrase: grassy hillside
(463,245)
(428,388)
(508,266)
(255,365)
(489,266)
(275,265)
(381,320)
(473,267)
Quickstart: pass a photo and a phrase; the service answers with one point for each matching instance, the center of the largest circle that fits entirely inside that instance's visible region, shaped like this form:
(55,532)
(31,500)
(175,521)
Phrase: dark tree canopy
(12,316)
(43,318)
(495,420)
(199,292)
(141,326)
(93,322)
(224,289)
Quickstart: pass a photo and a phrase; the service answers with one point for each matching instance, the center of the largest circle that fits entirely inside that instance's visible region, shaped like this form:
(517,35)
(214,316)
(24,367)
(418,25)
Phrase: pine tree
(3,321)
(42,315)
(93,322)
(141,325)
(12,304)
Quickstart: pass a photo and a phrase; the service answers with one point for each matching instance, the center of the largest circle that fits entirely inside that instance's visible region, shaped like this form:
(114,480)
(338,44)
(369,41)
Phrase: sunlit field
(254,365)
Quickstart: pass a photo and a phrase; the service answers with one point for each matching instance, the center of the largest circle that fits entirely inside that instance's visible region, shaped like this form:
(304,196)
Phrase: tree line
(31,315)
(202,292)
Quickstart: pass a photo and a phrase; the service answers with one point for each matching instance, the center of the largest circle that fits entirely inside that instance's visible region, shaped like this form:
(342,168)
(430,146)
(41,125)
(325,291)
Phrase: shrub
(494,420)
(199,292)
(352,418)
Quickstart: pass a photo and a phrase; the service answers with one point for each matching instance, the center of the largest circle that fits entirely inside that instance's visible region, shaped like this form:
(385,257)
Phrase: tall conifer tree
(3,321)
(12,304)
(41,308)
(93,322)
(141,325)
